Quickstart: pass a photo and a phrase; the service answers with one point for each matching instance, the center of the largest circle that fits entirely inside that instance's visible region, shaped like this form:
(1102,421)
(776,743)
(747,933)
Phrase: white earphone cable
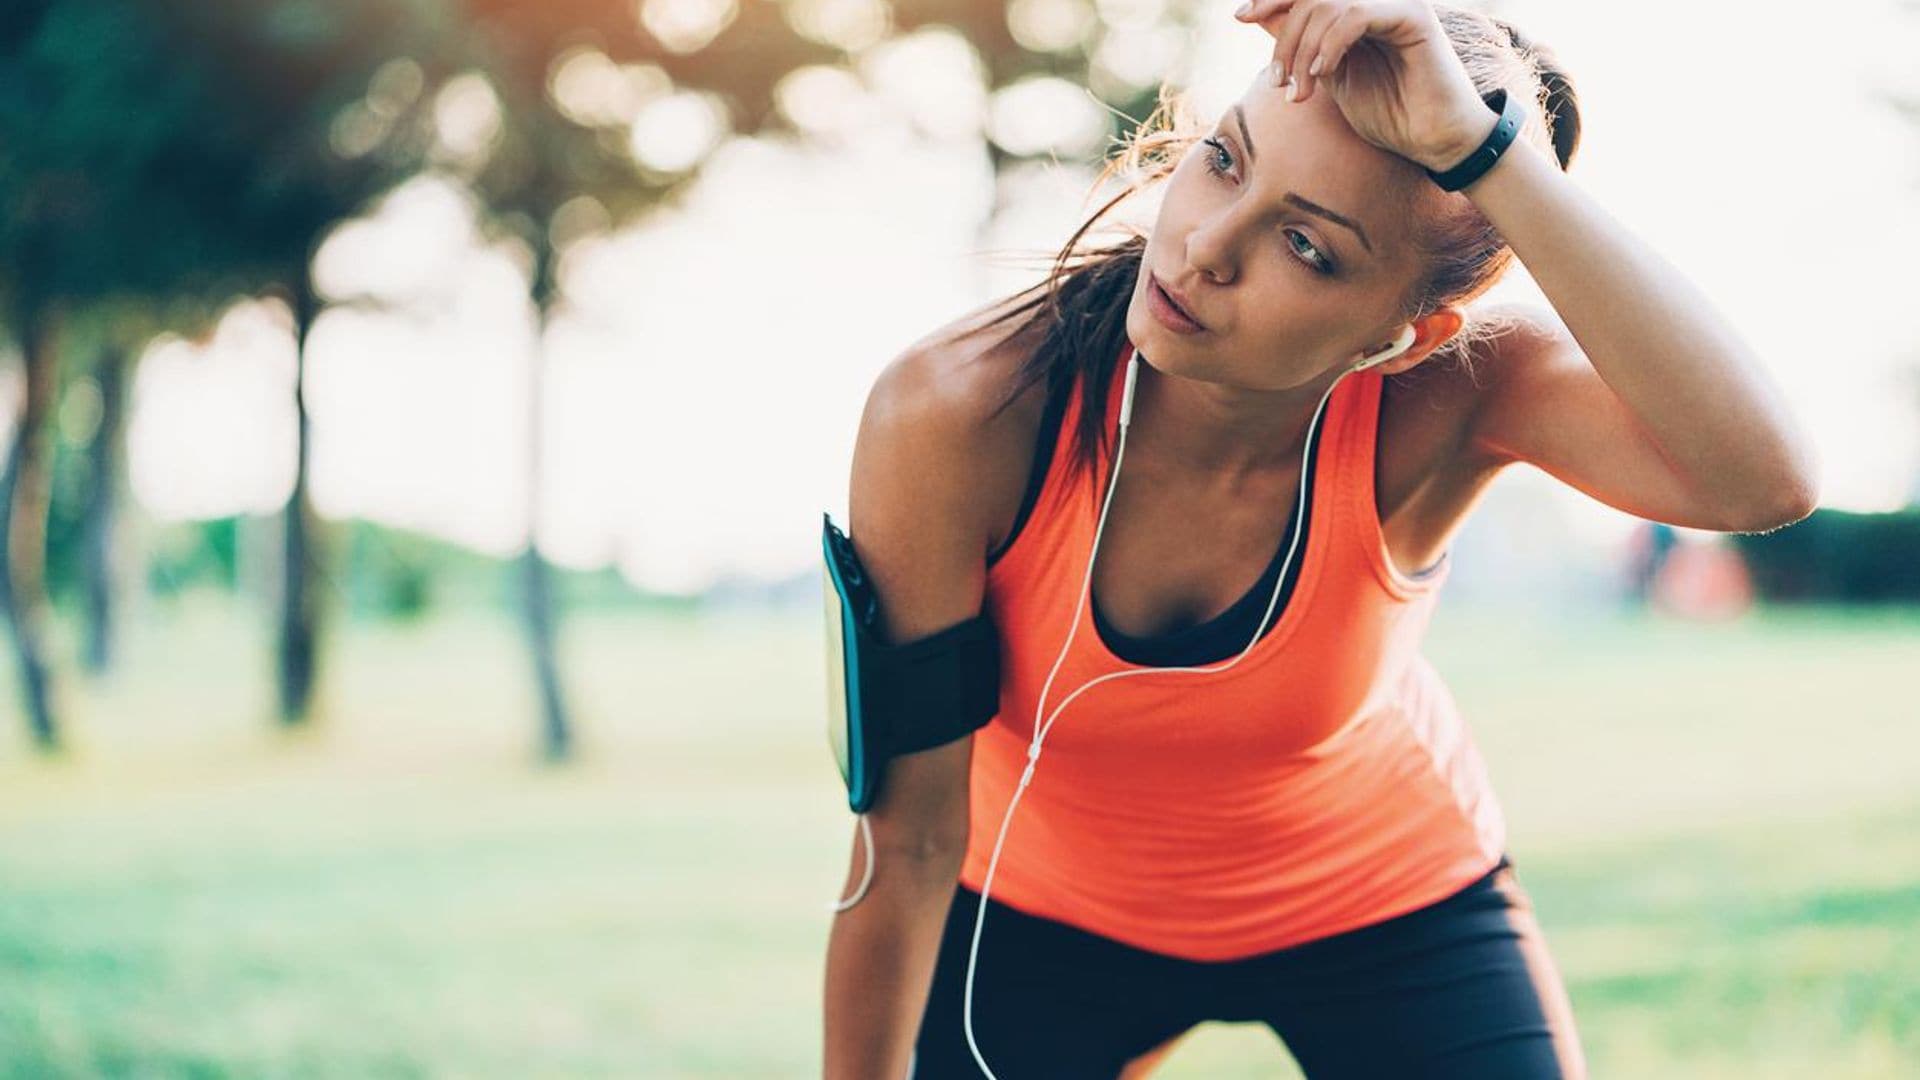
(866,876)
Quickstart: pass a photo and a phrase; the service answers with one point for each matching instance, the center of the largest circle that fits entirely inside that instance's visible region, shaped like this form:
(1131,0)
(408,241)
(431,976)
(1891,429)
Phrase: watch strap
(1474,165)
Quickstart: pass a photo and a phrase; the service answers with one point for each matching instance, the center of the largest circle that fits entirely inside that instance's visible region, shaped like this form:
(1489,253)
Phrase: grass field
(1720,826)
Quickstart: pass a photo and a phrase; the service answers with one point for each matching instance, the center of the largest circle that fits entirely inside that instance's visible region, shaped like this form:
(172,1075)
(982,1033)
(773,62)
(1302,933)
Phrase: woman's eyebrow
(1240,116)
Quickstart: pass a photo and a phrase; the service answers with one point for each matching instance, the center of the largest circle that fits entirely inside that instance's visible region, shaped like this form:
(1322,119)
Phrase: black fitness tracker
(1512,114)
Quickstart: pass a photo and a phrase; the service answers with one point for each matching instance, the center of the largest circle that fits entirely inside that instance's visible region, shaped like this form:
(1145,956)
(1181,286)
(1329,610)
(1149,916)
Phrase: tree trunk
(27,485)
(103,460)
(536,590)
(556,733)
(297,650)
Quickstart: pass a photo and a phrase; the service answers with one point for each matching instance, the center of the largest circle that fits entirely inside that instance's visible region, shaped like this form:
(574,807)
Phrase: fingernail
(1293,90)
(1314,68)
(1277,73)
(1241,11)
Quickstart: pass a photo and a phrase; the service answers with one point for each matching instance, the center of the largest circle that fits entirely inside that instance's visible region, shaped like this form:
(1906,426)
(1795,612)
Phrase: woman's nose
(1210,251)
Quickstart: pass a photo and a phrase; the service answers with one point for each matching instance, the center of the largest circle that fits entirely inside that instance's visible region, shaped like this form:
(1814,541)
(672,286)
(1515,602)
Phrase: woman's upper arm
(912,515)
(1545,405)
(916,520)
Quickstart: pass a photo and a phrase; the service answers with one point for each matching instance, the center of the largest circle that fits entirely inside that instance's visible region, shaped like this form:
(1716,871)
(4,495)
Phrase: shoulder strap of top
(1355,437)
(1045,441)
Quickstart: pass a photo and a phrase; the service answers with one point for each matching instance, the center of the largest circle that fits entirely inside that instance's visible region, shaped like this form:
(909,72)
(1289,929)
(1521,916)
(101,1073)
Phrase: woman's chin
(1160,348)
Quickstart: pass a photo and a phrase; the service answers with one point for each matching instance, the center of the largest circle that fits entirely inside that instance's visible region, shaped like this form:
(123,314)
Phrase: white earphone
(1400,344)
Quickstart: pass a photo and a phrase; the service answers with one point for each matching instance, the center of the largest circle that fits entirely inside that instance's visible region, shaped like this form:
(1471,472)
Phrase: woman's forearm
(880,958)
(1671,356)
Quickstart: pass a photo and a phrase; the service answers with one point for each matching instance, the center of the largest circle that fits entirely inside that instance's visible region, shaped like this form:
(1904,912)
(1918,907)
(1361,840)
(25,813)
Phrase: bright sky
(705,383)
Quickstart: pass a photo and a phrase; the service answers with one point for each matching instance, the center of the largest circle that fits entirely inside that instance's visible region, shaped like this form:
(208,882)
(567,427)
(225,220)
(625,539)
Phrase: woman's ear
(1430,332)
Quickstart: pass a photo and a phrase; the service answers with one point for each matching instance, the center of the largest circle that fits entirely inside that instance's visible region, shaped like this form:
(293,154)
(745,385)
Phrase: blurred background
(418,415)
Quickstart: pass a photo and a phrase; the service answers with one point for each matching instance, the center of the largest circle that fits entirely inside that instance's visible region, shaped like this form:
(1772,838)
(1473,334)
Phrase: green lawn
(1720,826)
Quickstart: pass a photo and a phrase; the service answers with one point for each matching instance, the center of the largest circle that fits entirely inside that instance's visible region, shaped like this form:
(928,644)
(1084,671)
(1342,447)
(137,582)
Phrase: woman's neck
(1208,429)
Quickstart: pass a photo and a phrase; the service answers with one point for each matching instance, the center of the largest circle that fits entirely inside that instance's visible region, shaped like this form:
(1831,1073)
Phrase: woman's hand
(1389,67)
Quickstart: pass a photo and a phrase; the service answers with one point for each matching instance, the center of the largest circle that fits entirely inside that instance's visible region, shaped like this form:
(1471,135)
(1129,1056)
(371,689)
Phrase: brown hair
(1085,294)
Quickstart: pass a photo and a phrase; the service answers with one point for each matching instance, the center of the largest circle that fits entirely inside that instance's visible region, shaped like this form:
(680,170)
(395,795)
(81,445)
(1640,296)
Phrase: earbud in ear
(1400,344)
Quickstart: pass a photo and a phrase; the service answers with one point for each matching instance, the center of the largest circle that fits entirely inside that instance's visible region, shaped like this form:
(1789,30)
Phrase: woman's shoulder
(1426,468)
(943,406)
(1431,408)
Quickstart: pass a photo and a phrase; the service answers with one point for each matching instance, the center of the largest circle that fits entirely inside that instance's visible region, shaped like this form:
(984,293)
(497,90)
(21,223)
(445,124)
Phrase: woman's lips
(1167,311)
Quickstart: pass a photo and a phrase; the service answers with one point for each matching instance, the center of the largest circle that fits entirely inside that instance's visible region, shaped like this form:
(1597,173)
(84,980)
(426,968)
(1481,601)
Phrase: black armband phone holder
(885,700)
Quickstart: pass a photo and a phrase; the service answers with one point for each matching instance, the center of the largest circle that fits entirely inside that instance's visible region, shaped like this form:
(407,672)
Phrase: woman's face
(1286,234)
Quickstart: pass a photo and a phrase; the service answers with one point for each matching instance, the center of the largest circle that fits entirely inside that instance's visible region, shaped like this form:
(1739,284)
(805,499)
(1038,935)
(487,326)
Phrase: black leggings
(1461,988)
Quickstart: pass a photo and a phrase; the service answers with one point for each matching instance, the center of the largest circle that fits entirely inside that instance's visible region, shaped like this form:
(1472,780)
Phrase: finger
(1286,34)
(1340,37)
(1318,20)
(1260,10)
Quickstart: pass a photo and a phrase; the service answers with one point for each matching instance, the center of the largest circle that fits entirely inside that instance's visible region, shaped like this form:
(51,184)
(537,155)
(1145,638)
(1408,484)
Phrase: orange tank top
(1325,782)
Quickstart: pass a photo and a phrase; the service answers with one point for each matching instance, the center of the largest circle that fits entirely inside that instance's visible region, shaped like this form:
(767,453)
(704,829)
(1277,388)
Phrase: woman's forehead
(1308,148)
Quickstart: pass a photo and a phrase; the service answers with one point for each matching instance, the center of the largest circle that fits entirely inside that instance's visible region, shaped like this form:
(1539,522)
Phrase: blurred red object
(1703,579)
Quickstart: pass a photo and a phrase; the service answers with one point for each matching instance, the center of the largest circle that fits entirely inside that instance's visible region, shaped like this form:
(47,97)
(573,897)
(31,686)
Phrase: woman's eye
(1219,151)
(1312,254)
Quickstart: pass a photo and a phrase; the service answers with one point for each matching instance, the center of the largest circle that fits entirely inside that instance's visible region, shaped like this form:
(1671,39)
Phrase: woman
(1294,827)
